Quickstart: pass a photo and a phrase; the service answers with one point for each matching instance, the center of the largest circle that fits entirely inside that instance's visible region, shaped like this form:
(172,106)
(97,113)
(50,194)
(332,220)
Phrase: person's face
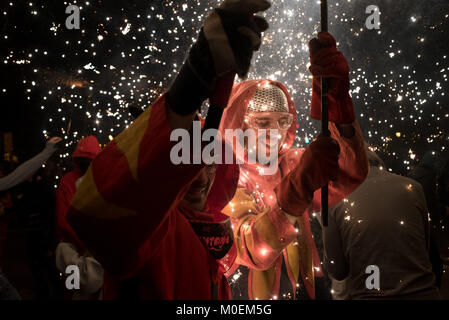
(281,121)
(197,193)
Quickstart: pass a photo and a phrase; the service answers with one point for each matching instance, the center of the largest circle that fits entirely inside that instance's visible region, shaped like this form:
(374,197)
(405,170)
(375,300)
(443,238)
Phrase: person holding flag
(149,221)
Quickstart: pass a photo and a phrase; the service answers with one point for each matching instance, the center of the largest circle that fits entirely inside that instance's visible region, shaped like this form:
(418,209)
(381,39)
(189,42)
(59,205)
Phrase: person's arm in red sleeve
(328,62)
(340,160)
(127,191)
(121,208)
(352,164)
(260,236)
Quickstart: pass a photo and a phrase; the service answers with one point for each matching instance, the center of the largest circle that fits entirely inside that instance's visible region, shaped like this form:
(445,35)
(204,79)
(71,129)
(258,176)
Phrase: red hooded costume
(87,148)
(127,211)
(266,241)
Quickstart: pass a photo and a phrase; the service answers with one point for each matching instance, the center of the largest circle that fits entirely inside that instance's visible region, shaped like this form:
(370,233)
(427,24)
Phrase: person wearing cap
(277,257)
(86,150)
(70,250)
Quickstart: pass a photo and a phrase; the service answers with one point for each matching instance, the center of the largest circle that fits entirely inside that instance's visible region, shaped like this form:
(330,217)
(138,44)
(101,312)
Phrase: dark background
(73,83)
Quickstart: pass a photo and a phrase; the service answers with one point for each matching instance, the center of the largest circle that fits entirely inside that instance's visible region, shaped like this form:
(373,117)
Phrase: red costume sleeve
(353,164)
(120,210)
(64,196)
(260,236)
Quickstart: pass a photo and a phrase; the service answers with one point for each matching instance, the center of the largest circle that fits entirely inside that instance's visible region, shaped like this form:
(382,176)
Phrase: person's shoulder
(405,180)
(409,185)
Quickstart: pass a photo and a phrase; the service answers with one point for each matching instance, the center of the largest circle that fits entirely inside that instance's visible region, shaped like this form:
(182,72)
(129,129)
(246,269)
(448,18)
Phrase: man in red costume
(86,150)
(70,250)
(156,227)
(270,212)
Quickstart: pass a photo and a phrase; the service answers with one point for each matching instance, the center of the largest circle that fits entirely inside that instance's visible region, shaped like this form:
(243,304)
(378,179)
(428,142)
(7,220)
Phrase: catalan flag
(127,192)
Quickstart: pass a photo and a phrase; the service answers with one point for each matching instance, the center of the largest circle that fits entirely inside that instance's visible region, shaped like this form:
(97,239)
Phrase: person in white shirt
(384,223)
(28,168)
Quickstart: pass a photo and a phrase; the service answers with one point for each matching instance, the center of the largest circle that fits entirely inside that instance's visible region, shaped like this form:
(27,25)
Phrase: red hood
(241,95)
(87,147)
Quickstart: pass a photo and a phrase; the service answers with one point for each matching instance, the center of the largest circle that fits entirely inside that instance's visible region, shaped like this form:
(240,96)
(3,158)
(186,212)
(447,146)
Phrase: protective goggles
(269,120)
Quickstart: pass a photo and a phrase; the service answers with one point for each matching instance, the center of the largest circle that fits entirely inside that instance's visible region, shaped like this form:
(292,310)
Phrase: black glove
(226,42)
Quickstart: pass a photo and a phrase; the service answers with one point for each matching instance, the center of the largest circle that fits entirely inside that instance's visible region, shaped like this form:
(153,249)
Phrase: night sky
(73,83)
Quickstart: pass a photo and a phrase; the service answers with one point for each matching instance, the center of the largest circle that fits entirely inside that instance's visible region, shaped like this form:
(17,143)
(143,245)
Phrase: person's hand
(233,33)
(317,166)
(52,142)
(225,45)
(326,61)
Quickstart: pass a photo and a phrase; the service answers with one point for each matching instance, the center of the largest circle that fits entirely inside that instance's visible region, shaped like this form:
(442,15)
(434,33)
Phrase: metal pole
(324,119)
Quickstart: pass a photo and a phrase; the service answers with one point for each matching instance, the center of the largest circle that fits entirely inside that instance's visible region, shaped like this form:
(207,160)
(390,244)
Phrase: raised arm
(28,168)
(127,191)
(120,209)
